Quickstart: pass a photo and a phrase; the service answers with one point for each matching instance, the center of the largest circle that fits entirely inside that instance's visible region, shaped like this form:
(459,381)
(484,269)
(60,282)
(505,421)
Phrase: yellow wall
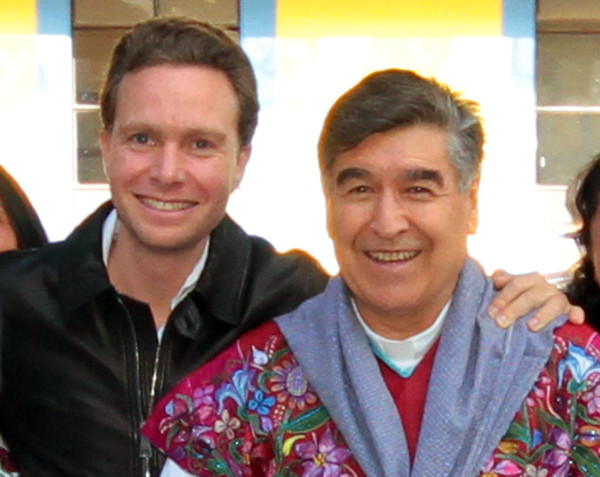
(18,17)
(388,18)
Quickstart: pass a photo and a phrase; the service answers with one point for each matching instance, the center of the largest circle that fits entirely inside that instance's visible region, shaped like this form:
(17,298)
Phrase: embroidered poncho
(304,397)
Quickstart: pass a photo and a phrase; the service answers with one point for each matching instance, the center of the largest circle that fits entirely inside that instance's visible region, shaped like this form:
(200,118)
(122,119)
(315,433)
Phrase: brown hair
(183,41)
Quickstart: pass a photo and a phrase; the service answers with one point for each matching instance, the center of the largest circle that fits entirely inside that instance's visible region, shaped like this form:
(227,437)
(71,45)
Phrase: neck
(152,277)
(399,325)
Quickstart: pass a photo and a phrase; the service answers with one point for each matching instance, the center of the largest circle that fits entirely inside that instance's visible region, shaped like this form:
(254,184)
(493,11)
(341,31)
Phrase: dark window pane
(89,157)
(220,12)
(111,12)
(568,69)
(92,49)
(566,141)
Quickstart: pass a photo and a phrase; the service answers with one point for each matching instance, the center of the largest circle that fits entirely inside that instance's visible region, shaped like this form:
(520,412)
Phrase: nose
(169,165)
(390,216)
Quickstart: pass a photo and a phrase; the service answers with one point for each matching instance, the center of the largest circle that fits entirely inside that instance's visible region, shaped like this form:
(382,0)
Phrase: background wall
(306,53)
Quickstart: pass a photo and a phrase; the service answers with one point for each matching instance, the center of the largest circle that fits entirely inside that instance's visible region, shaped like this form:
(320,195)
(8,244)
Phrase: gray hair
(396,98)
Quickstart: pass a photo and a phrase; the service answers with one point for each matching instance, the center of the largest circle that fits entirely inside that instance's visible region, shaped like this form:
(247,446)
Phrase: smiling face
(173,155)
(399,225)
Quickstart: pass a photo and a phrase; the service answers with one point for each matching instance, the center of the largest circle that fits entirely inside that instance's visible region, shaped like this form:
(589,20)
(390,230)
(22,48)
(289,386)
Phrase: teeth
(162,205)
(393,256)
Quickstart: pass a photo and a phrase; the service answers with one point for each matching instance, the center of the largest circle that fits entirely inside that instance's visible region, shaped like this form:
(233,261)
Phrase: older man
(395,370)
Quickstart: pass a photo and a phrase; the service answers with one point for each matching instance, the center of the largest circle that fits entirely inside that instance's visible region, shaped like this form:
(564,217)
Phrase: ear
(474,200)
(242,161)
(105,147)
(327,194)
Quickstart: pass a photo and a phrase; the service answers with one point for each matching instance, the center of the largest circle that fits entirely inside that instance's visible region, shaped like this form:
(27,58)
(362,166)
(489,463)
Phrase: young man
(82,358)
(82,362)
(396,369)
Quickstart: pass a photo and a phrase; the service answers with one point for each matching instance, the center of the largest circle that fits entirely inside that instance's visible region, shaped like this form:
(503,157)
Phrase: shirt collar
(109,233)
(404,355)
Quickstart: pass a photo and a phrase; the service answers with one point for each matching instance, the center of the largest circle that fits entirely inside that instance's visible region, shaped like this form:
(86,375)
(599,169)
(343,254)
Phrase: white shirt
(403,356)
(110,230)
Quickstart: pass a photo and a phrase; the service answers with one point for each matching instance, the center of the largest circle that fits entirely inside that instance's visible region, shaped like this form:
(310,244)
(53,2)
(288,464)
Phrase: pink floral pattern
(251,412)
(557,431)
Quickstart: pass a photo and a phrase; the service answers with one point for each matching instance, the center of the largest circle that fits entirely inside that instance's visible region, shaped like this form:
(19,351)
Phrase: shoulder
(258,253)
(255,347)
(246,275)
(25,263)
(31,274)
(296,264)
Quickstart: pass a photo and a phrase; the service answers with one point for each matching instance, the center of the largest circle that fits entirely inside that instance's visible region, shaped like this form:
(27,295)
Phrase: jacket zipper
(145,448)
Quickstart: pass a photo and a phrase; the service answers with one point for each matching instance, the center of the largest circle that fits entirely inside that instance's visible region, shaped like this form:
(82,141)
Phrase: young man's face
(173,155)
(399,224)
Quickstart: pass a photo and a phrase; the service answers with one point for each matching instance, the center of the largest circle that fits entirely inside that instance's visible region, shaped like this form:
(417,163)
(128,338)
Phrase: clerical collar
(403,356)
(109,234)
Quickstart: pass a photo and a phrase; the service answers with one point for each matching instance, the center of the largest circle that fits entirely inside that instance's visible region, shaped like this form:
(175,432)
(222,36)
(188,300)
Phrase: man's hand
(521,294)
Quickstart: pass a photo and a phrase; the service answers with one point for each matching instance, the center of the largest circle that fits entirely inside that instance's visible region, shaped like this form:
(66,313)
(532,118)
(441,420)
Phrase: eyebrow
(430,175)
(349,174)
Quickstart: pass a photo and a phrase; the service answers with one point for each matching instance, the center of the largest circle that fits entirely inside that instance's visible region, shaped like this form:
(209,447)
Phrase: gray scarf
(481,375)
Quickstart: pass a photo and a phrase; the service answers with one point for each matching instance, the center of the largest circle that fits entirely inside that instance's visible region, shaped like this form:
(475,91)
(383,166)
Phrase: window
(568,88)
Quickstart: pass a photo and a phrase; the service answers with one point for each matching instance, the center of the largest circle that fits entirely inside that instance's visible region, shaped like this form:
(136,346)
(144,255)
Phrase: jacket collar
(220,288)
(223,282)
(82,273)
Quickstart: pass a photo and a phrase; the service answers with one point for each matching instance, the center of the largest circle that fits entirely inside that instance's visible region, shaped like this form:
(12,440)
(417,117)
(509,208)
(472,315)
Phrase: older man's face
(400,224)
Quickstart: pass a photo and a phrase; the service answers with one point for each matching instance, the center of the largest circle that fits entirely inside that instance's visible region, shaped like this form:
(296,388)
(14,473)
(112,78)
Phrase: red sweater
(409,395)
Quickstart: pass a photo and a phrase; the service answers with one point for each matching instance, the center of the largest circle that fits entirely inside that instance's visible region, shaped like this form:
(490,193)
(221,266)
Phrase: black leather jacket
(81,365)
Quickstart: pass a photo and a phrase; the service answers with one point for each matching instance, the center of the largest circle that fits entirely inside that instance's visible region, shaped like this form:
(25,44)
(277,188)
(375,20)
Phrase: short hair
(396,98)
(187,42)
(22,216)
(583,195)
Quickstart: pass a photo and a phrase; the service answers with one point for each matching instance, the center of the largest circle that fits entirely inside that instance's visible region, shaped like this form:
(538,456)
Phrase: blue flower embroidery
(237,389)
(261,403)
(581,365)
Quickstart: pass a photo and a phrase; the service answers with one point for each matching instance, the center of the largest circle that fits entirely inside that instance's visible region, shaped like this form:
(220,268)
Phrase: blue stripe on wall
(518,18)
(258,18)
(54,17)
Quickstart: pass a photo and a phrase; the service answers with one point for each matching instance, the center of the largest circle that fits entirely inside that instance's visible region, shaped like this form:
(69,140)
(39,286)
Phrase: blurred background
(533,66)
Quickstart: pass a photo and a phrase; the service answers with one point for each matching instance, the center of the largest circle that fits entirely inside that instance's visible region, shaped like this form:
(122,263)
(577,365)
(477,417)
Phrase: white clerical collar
(109,231)
(403,356)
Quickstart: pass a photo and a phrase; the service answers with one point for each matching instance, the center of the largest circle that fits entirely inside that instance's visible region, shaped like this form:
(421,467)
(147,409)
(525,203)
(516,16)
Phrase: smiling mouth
(387,257)
(168,205)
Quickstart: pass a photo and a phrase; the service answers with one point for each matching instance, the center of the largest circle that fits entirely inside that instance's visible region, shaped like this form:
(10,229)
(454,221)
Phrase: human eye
(421,192)
(140,139)
(203,144)
(359,190)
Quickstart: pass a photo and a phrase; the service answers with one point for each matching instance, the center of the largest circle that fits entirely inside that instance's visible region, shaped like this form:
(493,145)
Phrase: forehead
(399,151)
(182,86)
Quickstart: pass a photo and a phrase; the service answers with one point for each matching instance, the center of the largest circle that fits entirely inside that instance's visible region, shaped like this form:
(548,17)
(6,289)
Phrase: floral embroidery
(592,400)
(322,457)
(227,424)
(557,431)
(257,416)
(291,386)
(253,413)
